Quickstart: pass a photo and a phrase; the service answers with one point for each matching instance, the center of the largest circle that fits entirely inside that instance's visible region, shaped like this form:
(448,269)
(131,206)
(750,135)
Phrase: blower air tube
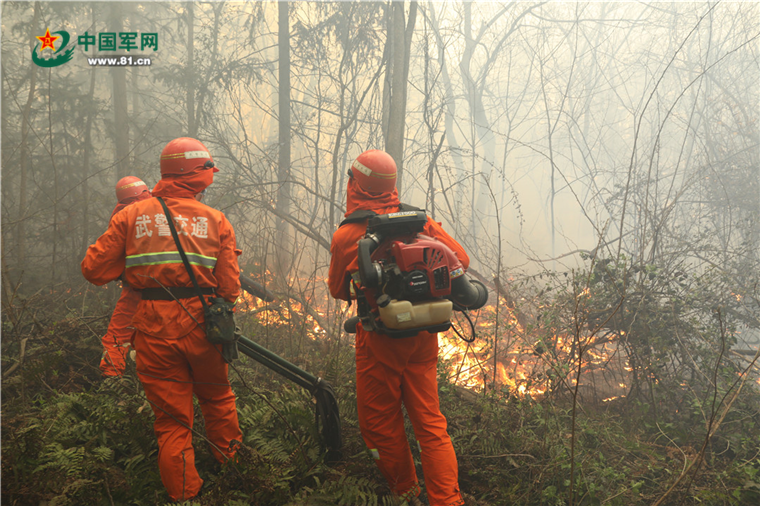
(469,292)
(369,273)
(350,325)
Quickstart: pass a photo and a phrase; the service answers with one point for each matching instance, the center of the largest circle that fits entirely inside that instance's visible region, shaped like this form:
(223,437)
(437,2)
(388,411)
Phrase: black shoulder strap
(185,261)
(363,214)
(358,216)
(406,207)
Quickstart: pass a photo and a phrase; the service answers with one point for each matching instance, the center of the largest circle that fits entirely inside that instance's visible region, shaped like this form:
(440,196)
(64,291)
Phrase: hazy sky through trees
(555,127)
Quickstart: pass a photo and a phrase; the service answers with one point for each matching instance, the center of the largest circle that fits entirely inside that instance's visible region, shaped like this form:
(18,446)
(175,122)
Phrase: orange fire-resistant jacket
(139,243)
(391,372)
(174,359)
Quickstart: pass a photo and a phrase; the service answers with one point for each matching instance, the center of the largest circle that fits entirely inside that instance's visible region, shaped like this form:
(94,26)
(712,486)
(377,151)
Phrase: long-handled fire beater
(327,414)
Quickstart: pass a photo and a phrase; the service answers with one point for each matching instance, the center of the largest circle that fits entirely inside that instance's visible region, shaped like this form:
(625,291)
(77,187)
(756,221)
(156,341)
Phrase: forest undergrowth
(70,437)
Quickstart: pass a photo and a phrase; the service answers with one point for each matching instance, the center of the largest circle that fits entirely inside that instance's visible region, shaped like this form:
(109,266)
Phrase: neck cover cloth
(357,199)
(184,185)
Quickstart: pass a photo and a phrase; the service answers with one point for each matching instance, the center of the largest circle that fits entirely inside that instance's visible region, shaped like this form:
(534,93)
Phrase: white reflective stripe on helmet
(130,185)
(362,168)
(196,154)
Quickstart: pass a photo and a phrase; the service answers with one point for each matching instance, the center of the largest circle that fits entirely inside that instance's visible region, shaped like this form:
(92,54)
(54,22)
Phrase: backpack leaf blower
(409,282)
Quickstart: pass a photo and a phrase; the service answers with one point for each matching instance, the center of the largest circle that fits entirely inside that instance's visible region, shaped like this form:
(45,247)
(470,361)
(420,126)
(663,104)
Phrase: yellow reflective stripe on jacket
(169,257)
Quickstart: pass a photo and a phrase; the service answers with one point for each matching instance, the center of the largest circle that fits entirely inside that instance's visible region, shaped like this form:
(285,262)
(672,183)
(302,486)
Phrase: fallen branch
(20,362)
(269,307)
(747,353)
(498,456)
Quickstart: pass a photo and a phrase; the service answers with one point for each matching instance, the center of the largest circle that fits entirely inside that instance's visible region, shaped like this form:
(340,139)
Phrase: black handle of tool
(301,378)
(256,289)
(277,363)
(181,250)
(327,413)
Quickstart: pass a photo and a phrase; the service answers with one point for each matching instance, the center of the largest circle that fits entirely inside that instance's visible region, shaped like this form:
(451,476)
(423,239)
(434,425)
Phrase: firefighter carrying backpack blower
(407,274)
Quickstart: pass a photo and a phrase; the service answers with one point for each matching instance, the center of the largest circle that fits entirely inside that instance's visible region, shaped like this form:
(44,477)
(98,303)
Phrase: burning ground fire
(526,367)
(523,366)
(526,363)
(284,314)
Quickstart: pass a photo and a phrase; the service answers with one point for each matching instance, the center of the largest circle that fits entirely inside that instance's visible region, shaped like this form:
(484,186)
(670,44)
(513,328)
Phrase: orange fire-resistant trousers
(171,371)
(390,372)
(119,333)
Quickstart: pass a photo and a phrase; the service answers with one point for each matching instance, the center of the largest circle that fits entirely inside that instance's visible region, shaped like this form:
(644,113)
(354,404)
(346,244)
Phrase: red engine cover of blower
(423,253)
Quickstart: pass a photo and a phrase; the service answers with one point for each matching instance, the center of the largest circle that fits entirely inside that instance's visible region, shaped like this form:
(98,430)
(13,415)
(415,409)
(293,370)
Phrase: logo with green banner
(49,42)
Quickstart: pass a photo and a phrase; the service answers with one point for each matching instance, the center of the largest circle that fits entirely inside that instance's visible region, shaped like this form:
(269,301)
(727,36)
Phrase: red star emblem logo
(47,40)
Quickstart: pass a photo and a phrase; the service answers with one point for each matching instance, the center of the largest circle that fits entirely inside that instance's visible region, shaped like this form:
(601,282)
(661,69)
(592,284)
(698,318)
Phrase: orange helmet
(130,186)
(184,155)
(375,171)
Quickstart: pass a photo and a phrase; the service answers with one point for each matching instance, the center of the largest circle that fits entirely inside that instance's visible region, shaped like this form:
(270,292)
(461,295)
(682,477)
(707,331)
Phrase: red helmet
(130,186)
(375,171)
(183,155)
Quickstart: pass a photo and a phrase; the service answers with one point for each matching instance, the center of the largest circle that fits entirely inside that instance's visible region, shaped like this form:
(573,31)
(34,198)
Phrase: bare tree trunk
(400,34)
(135,91)
(24,163)
(348,112)
(471,96)
(86,158)
(190,71)
(86,165)
(449,117)
(283,170)
(121,115)
(53,257)
(202,86)
(481,134)
(387,84)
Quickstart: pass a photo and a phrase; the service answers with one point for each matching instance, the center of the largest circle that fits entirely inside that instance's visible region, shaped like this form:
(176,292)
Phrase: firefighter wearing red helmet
(374,171)
(394,372)
(184,155)
(175,361)
(129,190)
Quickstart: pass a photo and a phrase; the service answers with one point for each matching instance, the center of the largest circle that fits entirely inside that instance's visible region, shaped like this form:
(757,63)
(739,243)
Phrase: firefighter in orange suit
(174,359)
(129,190)
(391,372)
